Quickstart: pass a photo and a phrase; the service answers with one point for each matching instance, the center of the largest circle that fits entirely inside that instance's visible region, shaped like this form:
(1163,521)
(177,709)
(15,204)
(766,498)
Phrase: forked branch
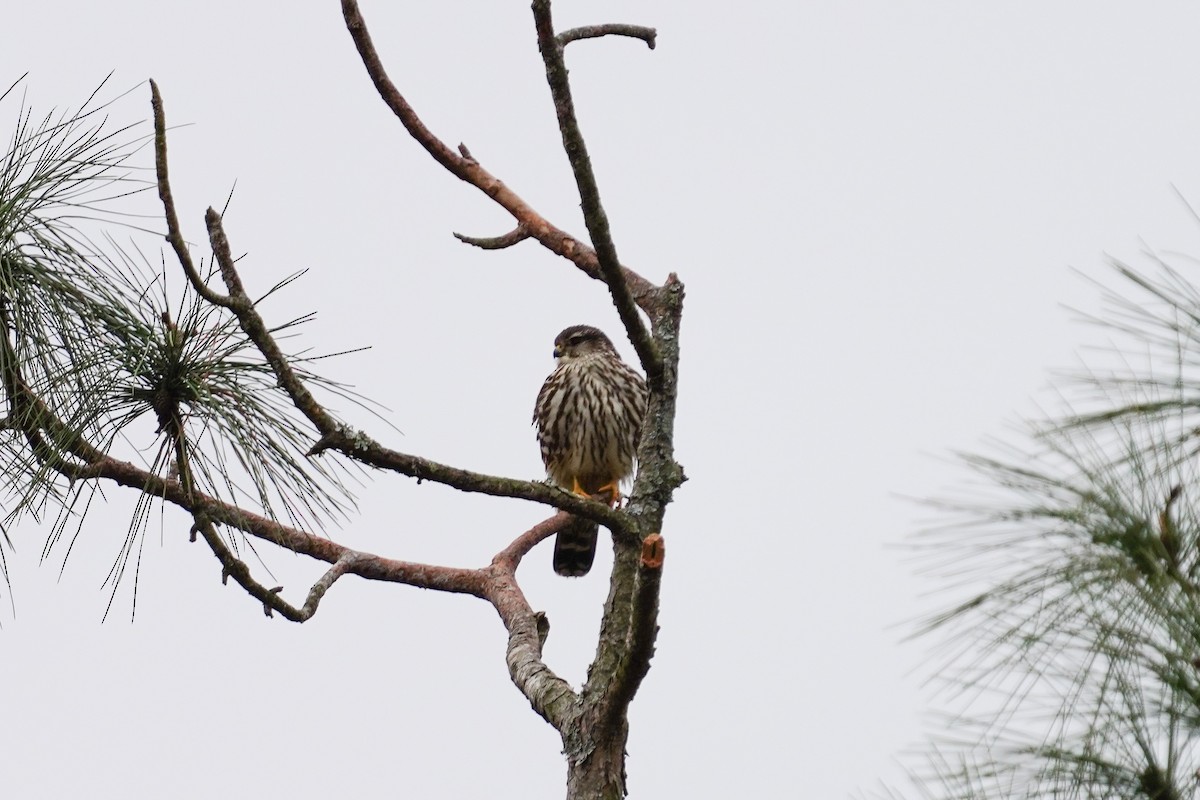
(589,193)
(333,435)
(174,232)
(551,696)
(234,567)
(629,625)
(643,292)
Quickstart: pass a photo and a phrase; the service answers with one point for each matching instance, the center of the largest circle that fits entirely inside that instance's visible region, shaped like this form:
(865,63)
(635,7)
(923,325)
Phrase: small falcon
(589,419)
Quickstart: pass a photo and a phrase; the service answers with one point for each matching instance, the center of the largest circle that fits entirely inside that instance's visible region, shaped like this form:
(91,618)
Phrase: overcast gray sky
(875,207)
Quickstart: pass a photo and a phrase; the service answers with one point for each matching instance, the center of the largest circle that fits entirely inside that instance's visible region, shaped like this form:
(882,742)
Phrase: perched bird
(589,419)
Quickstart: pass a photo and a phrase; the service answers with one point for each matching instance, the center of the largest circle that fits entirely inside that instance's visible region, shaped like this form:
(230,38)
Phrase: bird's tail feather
(575,547)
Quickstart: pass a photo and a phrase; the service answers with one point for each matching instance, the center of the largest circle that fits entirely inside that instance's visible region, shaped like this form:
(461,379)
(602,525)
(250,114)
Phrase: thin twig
(647,35)
(589,194)
(224,255)
(516,235)
(174,233)
(256,329)
(234,567)
(326,581)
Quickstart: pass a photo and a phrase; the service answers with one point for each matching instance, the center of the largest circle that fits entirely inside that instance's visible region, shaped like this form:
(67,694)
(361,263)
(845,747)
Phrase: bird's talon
(614,493)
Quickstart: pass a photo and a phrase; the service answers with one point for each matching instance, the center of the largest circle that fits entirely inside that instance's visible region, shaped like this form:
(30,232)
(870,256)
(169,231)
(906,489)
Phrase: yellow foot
(613,490)
(610,489)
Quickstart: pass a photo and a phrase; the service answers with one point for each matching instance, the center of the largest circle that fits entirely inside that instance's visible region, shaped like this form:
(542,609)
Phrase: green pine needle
(1073,643)
(128,356)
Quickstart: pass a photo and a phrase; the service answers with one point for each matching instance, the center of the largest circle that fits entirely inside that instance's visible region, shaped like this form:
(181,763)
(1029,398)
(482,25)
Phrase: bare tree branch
(366,565)
(647,35)
(325,582)
(33,415)
(395,101)
(470,170)
(643,627)
(252,323)
(589,193)
(549,695)
(510,557)
(234,567)
(516,235)
(174,232)
(367,451)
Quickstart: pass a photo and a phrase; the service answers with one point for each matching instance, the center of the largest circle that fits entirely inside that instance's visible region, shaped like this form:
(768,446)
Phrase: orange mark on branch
(654,550)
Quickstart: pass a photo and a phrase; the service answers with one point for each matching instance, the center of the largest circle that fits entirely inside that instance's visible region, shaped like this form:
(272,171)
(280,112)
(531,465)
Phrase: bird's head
(581,340)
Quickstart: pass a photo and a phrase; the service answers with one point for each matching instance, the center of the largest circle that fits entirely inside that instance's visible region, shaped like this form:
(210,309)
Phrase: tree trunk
(596,766)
